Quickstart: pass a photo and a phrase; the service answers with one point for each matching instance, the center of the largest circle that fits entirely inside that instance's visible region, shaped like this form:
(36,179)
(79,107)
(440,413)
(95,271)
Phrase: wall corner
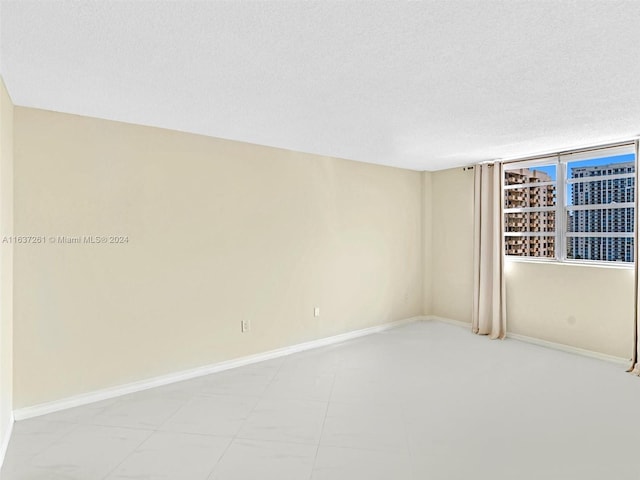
(6,268)
(427,275)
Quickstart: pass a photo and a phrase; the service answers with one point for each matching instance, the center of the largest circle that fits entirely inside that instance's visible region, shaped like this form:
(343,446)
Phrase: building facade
(616,187)
(531,195)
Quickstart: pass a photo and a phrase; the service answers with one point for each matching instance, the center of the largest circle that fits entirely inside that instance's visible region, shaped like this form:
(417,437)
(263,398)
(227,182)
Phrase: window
(575,206)
(530,204)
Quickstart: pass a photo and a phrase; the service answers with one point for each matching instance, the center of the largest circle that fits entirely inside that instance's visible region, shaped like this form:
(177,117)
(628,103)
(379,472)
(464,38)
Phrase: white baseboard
(119,390)
(570,349)
(543,343)
(5,441)
(451,321)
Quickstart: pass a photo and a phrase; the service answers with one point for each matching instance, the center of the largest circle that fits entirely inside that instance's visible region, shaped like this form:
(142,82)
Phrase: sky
(551,170)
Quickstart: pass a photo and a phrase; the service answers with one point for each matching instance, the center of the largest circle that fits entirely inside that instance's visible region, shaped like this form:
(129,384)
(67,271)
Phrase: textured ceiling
(421,85)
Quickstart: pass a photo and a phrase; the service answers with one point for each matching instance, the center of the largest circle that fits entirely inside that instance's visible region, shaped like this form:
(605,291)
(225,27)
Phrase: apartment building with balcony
(530,195)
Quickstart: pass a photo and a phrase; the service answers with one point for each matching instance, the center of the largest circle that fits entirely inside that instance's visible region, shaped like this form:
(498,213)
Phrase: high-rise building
(534,222)
(610,191)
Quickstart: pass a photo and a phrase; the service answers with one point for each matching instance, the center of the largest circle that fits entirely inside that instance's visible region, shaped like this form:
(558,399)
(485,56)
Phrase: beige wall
(222,231)
(452,244)
(219,231)
(581,306)
(6,261)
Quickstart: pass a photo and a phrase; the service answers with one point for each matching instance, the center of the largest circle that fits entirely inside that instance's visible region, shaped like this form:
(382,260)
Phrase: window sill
(573,263)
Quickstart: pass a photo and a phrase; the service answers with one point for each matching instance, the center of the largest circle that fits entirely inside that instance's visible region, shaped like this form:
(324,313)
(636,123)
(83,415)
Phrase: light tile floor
(425,401)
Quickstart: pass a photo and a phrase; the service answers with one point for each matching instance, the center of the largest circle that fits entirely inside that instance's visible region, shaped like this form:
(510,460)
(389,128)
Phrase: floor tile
(184,390)
(82,413)
(252,459)
(335,463)
(221,415)
(87,452)
(31,437)
(168,456)
(295,421)
(367,426)
(300,386)
(245,381)
(314,362)
(364,387)
(147,410)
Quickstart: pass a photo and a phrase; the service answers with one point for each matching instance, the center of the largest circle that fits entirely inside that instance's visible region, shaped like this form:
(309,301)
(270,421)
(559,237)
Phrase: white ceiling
(421,85)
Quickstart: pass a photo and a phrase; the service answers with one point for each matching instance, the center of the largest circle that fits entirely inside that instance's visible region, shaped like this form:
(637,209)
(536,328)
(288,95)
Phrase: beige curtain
(489,307)
(635,363)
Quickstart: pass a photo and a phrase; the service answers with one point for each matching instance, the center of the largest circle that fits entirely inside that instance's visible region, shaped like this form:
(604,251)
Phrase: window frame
(561,160)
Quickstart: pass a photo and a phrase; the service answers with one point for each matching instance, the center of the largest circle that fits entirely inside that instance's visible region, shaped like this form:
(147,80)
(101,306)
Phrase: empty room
(318,240)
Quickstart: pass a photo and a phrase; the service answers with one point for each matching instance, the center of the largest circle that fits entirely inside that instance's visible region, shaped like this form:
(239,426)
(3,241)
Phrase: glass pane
(603,249)
(604,165)
(538,247)
(530,222)
(543,196)
(605,191)
(593,185)
(593,191)
(517,176)
(601,220)
(532,195)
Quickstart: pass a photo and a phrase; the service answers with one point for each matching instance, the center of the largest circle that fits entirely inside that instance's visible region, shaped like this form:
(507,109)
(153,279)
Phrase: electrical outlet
(316,312)
(244,326)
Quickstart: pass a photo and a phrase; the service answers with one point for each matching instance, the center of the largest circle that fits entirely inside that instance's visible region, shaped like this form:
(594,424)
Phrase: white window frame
(561,233)
(532,163)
